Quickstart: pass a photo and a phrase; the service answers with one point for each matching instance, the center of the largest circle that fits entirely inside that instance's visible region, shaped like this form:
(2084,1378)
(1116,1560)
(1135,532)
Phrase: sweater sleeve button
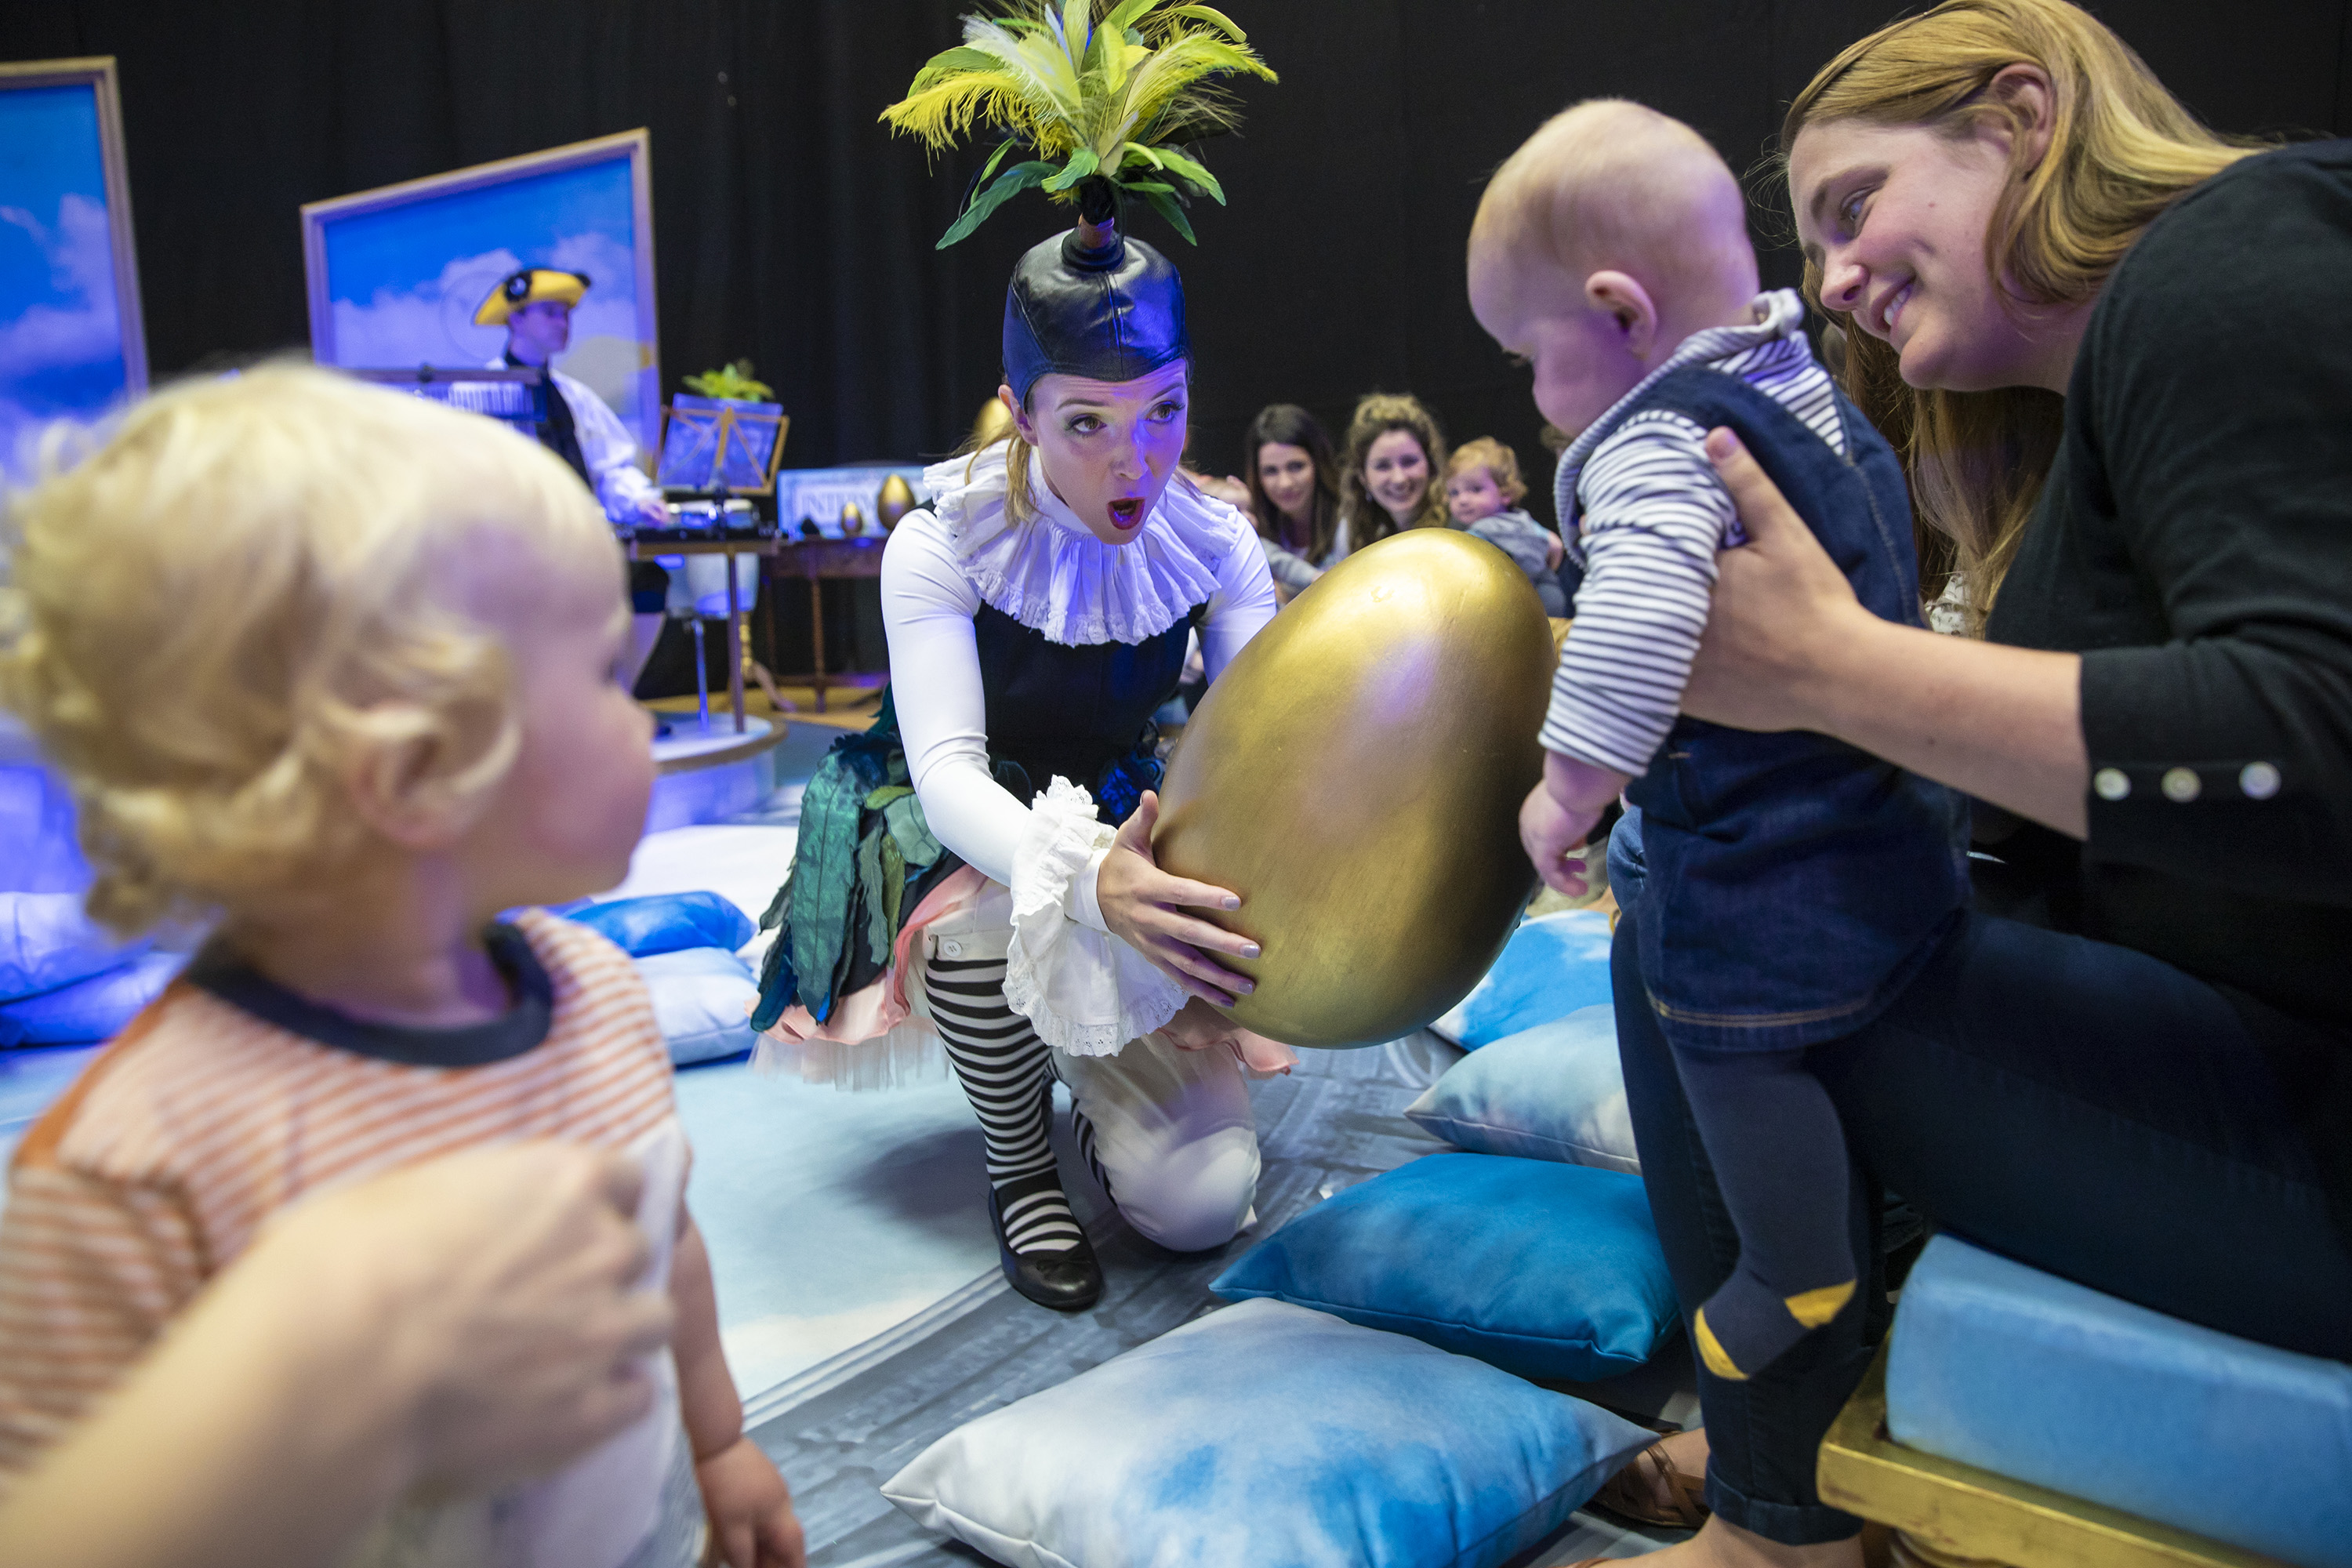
(2260,781)
(2181,785)
(2111,784)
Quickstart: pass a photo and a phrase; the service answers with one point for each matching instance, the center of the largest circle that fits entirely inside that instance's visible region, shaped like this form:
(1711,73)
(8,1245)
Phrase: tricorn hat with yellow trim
(530,285)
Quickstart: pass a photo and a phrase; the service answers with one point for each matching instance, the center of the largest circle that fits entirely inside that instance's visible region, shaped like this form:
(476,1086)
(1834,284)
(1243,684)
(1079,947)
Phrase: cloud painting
(60,324)
(403,281)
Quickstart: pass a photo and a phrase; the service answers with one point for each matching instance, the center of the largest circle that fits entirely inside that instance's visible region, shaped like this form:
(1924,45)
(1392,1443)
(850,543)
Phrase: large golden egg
(1356,776)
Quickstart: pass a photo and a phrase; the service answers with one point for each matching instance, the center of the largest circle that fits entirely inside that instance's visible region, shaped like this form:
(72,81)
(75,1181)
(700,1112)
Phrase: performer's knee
(1197,1196)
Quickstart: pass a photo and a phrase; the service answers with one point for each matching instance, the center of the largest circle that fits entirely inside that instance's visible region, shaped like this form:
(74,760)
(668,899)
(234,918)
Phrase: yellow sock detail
(1814,1308)
(1710,1350)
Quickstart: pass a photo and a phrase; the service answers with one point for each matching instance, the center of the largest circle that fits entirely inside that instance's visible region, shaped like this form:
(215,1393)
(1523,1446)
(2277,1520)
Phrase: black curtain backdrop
(790,228)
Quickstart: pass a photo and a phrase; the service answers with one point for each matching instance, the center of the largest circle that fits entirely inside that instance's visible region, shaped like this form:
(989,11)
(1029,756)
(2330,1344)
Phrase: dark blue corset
(1082,713)
(1795,882)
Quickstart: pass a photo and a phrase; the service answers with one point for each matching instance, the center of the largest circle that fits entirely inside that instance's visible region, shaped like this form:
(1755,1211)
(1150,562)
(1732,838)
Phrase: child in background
(1482,492)
(1795,882)
(338,665)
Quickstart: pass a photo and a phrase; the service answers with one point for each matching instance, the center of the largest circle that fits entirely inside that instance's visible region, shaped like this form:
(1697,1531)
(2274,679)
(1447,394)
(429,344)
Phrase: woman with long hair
(1294,488)
(2120,419)
(1389,474)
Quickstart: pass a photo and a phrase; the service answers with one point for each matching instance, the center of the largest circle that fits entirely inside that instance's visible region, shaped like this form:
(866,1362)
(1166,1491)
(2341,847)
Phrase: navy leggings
(2081,1107)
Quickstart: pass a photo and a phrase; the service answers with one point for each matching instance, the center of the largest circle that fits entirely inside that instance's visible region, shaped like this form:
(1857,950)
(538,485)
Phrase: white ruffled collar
(1052,576)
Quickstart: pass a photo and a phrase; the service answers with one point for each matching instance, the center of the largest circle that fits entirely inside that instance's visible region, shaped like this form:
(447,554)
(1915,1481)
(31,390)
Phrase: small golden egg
(1356,776)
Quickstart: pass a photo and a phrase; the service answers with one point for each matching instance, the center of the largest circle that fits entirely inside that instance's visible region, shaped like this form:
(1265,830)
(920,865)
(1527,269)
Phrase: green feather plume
(1090,96)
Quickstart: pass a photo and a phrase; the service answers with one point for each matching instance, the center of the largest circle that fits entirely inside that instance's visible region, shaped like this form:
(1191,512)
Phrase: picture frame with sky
(396,274)
(72,346)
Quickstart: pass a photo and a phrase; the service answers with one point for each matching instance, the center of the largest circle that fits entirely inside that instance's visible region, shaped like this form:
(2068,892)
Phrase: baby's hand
(1554,553)
(1548,830)
(750,1509)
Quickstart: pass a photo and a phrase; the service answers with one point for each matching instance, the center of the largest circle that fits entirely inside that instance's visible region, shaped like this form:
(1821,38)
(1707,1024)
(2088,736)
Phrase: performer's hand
(653,511)
(1143,907)
(1558,818)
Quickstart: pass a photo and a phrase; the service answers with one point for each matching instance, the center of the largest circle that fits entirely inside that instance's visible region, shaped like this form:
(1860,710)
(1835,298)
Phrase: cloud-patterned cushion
(1553,1092)
(1552,965)
(1547,1270)
(1271,1435)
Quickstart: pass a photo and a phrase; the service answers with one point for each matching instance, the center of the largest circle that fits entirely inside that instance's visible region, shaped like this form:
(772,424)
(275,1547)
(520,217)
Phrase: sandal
(1632,1491)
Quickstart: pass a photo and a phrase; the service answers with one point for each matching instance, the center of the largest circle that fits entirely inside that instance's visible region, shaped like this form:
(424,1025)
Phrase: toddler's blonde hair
(1502,464)
(250,578)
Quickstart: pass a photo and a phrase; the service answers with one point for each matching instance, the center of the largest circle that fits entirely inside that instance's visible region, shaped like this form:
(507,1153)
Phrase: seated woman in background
(1388,482)
(1482,490)
(1294,487)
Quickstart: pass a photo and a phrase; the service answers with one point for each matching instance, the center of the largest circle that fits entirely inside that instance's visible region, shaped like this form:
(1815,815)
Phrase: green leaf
(1125,14)
(1165,205)
(1082,162)
(1011,183)
(1176,163)
(988,170)
(1145,187)
(1135,150)
(1214,18)
(1077,19)
(949,61)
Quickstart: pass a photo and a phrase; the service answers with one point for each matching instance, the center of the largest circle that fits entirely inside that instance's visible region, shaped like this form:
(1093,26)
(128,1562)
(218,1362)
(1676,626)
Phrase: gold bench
(1949,1515)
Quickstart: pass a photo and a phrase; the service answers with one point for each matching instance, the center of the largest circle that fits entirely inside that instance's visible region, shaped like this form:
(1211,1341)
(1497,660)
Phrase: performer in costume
(958,879)
(535,304)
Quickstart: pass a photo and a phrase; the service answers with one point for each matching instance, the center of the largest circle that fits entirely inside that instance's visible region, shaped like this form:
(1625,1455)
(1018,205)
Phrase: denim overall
(1794,882)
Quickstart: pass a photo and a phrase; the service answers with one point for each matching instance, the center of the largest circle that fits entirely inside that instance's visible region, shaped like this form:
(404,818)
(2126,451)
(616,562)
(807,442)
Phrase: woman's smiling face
(1896,217)
(1107,447)
(1288,474)
(1396,473)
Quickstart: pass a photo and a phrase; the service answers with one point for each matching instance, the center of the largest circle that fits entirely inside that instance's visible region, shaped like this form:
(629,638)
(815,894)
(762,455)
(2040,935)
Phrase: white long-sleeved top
(605,446)
(1050,574)
(1648,514)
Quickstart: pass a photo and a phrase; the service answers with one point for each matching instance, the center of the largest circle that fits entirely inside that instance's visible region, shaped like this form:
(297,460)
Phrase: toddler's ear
(1621,296)
(401,774)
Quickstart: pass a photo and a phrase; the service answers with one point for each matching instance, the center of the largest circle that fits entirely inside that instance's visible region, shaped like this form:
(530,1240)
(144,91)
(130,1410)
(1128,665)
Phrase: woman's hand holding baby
(1782,613)
(1558,814)
(1142,906)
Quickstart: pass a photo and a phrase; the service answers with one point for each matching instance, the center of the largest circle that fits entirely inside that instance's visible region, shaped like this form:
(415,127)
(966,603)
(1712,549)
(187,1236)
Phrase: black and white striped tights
(1007,1074)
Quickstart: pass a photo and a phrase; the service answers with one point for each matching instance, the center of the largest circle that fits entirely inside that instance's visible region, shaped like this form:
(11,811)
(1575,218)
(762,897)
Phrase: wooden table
(730,548)
(816,560)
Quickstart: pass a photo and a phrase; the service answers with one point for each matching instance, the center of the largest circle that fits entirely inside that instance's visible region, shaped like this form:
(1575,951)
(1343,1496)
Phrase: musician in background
(534,304)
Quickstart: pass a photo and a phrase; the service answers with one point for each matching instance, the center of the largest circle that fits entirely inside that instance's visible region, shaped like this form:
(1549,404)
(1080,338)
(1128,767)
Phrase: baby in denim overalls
(1795,883)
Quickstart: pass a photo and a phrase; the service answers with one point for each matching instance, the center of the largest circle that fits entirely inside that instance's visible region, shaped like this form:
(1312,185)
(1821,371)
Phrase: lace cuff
(1084,991)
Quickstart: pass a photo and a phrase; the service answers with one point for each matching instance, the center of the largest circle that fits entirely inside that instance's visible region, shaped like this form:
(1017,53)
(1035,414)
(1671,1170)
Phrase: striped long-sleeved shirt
(161,1163)
(1648,515)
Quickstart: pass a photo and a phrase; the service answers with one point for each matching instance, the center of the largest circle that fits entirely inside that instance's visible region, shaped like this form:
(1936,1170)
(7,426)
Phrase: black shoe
(1067,1282)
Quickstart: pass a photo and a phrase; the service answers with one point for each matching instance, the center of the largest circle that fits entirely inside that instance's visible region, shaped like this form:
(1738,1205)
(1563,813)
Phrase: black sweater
(2194,544)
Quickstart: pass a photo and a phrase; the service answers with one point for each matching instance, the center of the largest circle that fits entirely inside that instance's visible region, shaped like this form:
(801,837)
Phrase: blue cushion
(46,942)
(92,1009)
(2017,1372)
(1544,1270)
(1552,965)
(702,1000)
(666,922)
(1267,1435)
(1552,1092)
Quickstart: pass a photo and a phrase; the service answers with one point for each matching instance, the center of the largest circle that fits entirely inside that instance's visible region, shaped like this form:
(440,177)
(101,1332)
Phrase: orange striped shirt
(158,1166)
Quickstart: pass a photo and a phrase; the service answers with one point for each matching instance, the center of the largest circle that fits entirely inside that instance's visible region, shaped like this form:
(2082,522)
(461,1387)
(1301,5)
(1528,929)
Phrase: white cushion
(1268,1433)
(702,998)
